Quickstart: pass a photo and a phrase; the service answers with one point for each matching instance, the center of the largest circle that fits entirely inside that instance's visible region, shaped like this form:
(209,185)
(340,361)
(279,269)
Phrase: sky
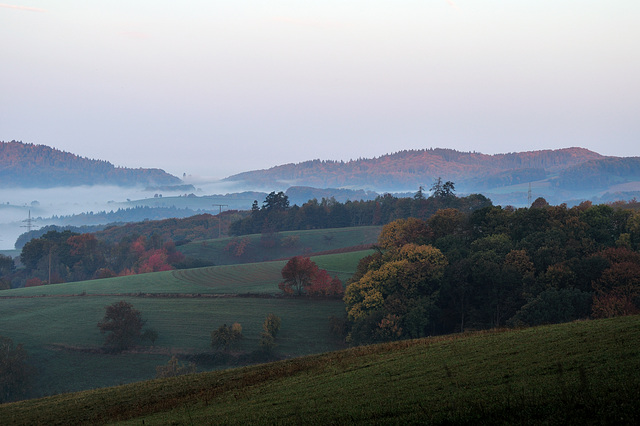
(217,87)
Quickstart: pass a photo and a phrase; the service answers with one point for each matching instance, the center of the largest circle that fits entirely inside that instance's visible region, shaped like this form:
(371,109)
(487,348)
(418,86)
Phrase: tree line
(67,256)
(496,266)
(276,214)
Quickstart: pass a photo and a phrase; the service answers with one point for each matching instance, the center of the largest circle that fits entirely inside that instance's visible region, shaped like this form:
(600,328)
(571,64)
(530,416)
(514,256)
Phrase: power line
(220,217)
(29,223)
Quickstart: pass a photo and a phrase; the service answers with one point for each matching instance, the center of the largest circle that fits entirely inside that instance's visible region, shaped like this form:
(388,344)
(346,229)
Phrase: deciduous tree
(225,336)
(400,293)
(270,329)
(298,273)
(123,325)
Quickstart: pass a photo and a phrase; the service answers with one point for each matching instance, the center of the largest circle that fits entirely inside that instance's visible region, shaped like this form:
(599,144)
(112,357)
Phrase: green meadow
(283,245)
(58,323)
(585,372)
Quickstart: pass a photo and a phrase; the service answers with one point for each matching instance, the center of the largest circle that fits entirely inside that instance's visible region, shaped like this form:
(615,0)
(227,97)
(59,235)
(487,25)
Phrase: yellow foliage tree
(402,289)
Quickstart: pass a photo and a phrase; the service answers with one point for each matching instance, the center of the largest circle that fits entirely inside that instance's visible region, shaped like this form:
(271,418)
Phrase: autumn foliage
(497,266)
(302,276)
(67,256)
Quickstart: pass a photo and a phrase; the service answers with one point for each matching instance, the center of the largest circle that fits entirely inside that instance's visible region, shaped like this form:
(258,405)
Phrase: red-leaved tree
(298,273)
(324,285)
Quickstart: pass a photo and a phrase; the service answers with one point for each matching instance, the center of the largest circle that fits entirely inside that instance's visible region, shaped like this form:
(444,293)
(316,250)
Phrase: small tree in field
(270,329)
(174,368)
(123,324)
(151,335)
(226,336)
(298,273)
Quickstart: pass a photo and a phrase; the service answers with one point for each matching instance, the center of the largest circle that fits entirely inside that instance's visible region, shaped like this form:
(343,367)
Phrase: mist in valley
(48,206)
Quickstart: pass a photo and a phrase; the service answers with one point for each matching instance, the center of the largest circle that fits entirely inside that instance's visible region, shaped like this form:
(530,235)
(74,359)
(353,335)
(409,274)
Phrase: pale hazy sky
(219,87)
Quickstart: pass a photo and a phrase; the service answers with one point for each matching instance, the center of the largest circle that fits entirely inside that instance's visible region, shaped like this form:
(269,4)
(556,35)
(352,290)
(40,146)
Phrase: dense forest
(29,165)
(494,267)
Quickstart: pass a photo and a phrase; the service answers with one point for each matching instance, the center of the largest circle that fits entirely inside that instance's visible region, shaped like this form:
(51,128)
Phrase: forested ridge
(600,173)
(29,165)
(412,168)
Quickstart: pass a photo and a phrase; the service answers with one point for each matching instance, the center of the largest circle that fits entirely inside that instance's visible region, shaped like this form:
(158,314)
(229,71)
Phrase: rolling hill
(584,372)
(407,170)
(39,166)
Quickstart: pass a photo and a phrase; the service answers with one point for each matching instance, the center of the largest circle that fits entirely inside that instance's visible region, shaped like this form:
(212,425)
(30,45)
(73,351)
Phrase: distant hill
(39,166)
(407,170)
(601,173)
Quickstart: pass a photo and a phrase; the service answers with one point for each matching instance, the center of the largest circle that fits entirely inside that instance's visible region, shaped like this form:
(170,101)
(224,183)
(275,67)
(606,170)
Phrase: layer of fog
(17,204)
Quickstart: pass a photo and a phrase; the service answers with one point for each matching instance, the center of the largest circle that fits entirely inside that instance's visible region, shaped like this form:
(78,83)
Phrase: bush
(15,374)
(174,368)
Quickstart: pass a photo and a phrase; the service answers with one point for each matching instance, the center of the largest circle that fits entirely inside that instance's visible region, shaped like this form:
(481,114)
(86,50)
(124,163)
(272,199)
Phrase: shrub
(174,368)
(225,336)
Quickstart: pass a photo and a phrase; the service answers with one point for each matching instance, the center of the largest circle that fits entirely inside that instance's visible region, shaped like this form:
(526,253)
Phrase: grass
(306,242)
(54,321)
(227,279)
(578,373)
(53,329)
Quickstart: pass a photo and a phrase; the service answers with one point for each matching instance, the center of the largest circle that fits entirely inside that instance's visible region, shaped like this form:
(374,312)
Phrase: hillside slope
(39,166)
(578,373)
(409,169)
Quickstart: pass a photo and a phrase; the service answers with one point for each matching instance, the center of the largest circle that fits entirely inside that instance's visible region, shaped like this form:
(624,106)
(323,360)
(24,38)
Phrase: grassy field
(584,372)
(61,336)
(299,242)
(58,323)
(227,279)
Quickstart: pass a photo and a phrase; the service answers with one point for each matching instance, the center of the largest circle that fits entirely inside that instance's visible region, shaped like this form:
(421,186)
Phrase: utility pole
(220,218)
(529,196)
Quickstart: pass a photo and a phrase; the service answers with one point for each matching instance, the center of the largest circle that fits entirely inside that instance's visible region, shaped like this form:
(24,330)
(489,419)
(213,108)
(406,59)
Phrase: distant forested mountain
(601,173)
(39,166)
(407,170)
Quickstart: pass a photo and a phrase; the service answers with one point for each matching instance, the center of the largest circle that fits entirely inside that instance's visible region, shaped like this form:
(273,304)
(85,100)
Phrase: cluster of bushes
(496,266)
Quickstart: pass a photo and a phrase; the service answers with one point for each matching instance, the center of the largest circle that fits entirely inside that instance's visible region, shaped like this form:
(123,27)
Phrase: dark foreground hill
(585,372)
(39,166)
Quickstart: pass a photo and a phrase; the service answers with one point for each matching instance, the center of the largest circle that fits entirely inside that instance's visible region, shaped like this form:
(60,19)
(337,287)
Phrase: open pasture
(584,372)
(62,338)
(58,323)
(227,279)
(283,245)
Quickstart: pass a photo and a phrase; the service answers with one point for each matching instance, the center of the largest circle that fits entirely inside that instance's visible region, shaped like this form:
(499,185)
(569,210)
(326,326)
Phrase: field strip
(232,275)
(154,295)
